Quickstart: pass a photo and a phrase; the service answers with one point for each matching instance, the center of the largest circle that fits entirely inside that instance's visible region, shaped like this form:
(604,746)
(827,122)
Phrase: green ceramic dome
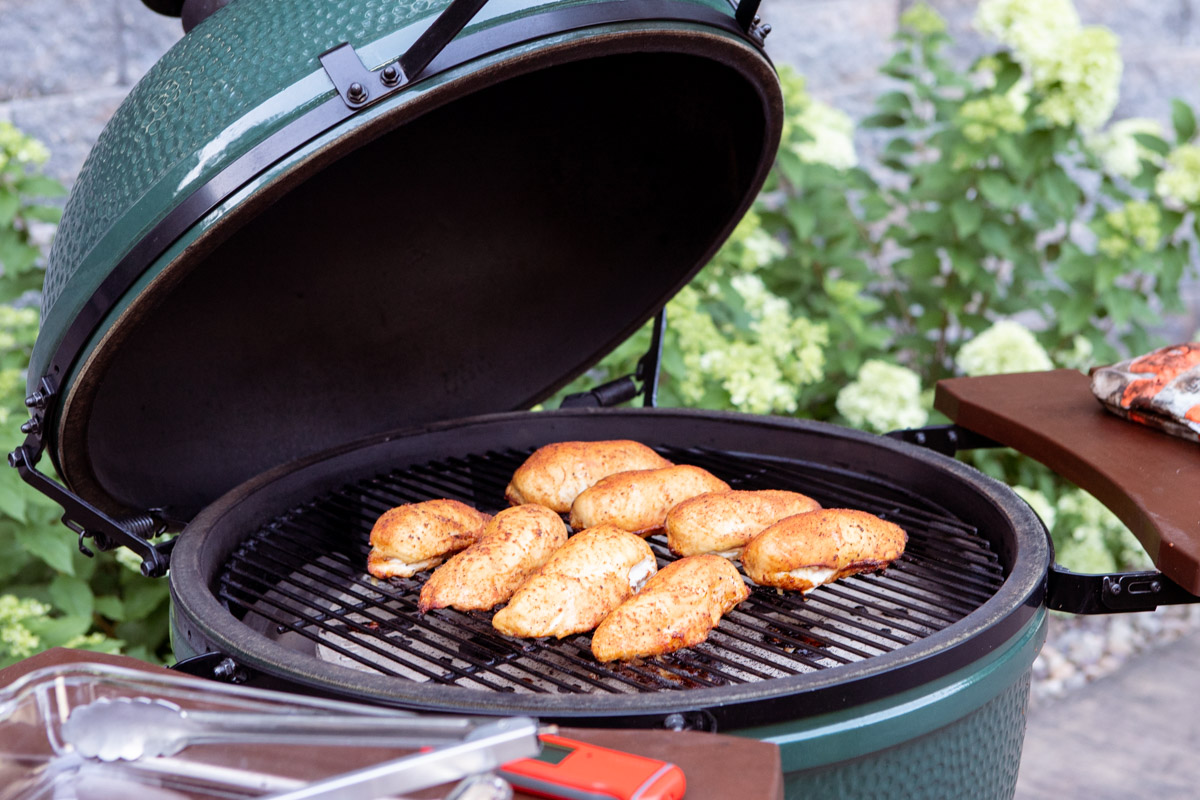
(466,245)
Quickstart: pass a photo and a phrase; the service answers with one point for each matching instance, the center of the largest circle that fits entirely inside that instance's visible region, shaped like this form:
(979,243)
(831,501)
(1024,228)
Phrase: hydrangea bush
(1003,227)
(50,593)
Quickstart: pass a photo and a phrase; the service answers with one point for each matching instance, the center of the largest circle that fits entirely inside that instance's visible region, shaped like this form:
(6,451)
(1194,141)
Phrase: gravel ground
(1080,649)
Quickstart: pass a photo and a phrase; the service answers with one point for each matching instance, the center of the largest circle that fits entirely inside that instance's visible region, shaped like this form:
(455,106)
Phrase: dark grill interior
(301,579)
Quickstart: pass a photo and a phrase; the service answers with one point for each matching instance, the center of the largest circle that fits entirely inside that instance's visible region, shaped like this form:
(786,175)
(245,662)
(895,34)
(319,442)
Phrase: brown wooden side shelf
(1147,478)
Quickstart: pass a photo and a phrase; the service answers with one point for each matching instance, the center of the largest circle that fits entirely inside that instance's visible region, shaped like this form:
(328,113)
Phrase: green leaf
(1008,75)
(40,186)
(803,218)
(53,547)
(967,217)
(9,203)
(1153,143)
(1059,190)
(884,120)
(996,239)
(12,495)
(144,595)
(1183,120)
(110,607)
(57,632)
(998,190)
(897,102)
(52,214)
(71,595)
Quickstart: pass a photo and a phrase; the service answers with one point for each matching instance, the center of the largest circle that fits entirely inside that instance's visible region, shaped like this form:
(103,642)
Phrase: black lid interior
(472,260)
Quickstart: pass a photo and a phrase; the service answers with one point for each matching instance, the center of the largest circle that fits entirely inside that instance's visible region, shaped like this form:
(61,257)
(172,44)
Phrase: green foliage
(998,232)
(50,594)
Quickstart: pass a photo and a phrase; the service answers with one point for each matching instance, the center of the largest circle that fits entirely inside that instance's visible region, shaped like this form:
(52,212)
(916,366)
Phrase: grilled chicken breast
(585,579)
(807,550)
(638,501)
(677,608)
(415,537)
(514,543)
(555,474)
(722,522)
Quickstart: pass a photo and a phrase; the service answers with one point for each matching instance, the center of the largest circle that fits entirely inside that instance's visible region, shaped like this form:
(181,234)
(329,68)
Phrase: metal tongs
(143,729)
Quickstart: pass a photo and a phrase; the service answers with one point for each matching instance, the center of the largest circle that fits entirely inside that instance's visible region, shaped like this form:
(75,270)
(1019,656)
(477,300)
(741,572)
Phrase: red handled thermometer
(575,770)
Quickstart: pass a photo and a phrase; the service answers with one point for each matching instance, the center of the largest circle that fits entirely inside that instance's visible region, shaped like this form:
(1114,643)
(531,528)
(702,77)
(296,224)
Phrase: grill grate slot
(302,578)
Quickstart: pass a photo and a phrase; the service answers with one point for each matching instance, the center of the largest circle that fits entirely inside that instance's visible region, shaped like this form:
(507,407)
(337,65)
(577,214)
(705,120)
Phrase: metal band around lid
(317,121)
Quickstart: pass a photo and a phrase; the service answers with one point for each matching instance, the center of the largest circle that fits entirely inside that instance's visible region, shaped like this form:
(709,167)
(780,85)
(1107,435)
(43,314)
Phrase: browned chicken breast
(638,501)
(722,522)
(555,474)
(411,538)
(515,543)
(589,576)
(676,609)
(807,550)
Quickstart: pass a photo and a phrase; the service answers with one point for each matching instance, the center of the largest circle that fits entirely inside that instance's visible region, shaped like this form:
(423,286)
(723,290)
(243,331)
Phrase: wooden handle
(1147,478)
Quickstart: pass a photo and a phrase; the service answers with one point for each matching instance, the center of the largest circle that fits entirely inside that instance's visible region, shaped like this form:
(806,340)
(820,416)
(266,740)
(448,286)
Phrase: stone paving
(1134,734)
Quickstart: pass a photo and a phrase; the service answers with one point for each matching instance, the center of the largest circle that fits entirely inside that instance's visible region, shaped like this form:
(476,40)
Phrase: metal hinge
(90,523)
(1078,593)
(625,388)
(360,87)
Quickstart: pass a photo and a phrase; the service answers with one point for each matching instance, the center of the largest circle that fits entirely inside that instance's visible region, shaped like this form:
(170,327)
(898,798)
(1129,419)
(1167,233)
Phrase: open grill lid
(282,243)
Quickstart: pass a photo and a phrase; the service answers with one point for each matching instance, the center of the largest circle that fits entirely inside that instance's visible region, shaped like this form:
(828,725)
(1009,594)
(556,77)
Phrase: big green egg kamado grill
(326,253)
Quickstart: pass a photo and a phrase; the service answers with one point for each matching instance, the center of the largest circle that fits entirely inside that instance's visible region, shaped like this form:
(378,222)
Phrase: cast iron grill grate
(301,578)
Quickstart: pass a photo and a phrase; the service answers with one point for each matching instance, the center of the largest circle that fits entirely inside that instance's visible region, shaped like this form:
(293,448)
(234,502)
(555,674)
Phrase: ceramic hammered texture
(976,757)
(227,66)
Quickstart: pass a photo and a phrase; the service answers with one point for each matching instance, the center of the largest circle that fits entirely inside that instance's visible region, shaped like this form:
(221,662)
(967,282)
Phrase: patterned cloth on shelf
(1160,389)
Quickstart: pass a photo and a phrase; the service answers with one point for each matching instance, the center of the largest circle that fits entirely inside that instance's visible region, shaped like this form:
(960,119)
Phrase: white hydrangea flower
(1032,28)
(1079,356)
(884,397)
(17,641)
(1119,151)
(1082,79)
(1079,69)
(1179,182)
(1040,505)
(832,133)
(1007,346)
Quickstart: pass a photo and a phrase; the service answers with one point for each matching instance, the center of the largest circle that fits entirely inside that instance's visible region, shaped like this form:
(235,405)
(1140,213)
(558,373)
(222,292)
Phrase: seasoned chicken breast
(514,543)
(555,474)
(585,579)
(677,608)
(638,501)
(807,550)
(415,537)
(722,522)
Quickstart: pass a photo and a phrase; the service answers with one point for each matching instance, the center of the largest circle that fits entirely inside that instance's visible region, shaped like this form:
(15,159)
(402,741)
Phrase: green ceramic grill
(325,257)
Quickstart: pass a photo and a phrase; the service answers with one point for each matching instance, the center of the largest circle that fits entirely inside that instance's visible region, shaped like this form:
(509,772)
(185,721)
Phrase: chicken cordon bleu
(677,608)
(411,538)
(808,550)
(555,474)
(722,522)
(638,501)
(589,576)
(514,543)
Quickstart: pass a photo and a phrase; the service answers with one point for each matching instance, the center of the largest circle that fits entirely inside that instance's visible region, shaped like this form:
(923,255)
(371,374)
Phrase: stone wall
(66,64)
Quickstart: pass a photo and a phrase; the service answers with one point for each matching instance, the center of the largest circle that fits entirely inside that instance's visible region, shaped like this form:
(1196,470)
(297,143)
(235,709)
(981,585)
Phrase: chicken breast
(555,474)
(514,543)
(638,501)
(585,579)
(677,608)
(807,550)
(415,537)
(722,522)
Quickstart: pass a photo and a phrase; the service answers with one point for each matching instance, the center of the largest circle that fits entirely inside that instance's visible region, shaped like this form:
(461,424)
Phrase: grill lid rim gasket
(957,646)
